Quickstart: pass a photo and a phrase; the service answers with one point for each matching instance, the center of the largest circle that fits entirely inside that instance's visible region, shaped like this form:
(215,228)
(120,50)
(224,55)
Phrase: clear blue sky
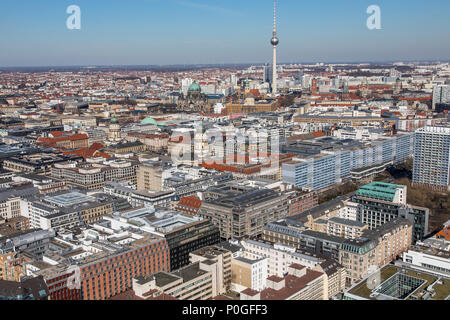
(141,32)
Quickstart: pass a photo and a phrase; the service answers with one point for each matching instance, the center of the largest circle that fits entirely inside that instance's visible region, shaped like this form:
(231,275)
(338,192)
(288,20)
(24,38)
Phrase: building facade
(431,166)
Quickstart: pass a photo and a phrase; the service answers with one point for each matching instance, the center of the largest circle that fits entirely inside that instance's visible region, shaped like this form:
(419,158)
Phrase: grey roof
(5,194)
(229,246)
(348,222)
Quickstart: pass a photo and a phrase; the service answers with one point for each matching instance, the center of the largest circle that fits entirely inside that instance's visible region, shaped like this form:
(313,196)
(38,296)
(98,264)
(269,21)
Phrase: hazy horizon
(218,32)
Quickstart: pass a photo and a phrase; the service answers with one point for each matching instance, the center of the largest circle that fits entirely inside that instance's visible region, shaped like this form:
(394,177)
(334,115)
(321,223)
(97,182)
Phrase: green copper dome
(149,120)
(194,87)
(114,120)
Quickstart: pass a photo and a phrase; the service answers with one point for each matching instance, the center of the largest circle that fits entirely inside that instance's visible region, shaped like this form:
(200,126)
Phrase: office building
(183,233)
(441,95)
(241,211)
(149,177)
(68,210)
(105,258)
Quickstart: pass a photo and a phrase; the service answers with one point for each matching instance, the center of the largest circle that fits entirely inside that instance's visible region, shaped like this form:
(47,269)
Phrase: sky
(163,32)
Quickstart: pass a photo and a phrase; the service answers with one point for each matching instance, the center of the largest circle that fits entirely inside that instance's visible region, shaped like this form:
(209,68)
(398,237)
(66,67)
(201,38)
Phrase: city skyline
(236,33)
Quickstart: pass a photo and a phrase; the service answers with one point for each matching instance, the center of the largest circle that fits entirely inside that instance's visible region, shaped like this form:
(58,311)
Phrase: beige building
(248,273)
(375,249)
(344,228)
(149,177)
(10,208)
(220,268)
(95,175)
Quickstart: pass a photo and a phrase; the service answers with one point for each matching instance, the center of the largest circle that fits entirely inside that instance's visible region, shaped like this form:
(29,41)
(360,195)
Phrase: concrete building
(206,277)
(398,283)
(344,228)
(68,210)
(441,95)
(240,212)
(325,162)
(431,166)
(101,262)
(425,258)
(149,177)
(94,175)
(183,233)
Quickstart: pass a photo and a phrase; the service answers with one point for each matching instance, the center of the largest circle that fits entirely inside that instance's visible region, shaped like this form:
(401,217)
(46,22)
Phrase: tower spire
(274,17)
(274,41)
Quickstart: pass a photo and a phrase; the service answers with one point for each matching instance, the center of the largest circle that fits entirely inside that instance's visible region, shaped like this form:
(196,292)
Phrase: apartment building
(345,228)
(280,257)
(320,165)
(289,233)
(431,166)
(375,249)
(60,140)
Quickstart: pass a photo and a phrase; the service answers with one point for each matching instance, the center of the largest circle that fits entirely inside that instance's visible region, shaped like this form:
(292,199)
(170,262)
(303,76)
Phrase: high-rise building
(432,157)
(441,95)
(149,177)
(268,73)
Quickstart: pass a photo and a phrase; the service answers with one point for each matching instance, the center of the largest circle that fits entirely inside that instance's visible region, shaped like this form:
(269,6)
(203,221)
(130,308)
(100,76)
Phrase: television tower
(274,41)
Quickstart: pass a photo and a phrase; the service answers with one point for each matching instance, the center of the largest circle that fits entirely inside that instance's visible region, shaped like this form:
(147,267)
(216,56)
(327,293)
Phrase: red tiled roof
(444,233)
(74,137)
(191,201)
(250,292)
(275,278)
(297,266)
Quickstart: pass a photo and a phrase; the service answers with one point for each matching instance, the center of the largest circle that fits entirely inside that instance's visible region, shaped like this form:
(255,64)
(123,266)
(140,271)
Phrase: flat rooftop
(442,291)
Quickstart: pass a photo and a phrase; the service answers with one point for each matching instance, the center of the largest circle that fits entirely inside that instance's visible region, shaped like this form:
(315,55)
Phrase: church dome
(149,121)
(194,87)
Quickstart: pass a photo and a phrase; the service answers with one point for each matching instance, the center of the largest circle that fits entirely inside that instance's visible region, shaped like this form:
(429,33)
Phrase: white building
(428,259)
(279,257)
